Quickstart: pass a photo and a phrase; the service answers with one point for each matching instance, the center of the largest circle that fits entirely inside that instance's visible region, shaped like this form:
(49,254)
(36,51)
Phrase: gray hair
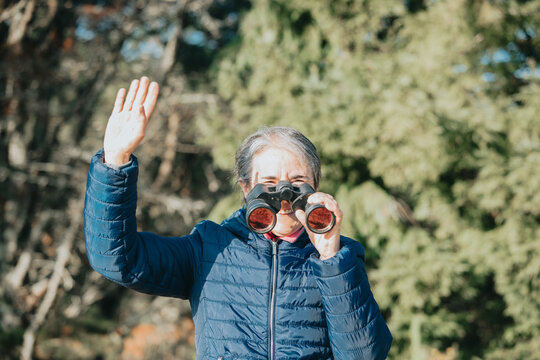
(277,136)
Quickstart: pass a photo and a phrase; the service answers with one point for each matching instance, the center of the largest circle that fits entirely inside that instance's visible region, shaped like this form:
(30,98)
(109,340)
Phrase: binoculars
(264,201)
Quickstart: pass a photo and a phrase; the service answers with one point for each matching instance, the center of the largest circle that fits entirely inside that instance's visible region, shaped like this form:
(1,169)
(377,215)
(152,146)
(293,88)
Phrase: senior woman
(287,294)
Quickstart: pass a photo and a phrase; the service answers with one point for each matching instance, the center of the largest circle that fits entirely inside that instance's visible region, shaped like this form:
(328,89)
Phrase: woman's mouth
(286,208)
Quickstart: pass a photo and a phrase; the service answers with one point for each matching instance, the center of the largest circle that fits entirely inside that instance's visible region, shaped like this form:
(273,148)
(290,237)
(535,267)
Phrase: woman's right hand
(127,124)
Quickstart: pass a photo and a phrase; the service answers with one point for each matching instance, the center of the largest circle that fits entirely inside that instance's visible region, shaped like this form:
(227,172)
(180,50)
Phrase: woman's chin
(286,224)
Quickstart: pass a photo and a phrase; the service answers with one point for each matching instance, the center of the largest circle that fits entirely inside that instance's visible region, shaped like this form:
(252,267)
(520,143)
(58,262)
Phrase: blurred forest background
(426,114)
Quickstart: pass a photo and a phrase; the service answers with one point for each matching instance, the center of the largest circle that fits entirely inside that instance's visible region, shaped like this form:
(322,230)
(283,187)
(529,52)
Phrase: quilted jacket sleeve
(356,327)
(141,261)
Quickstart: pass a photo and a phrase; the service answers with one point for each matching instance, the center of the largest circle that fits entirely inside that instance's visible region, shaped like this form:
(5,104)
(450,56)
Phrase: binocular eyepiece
(263,202)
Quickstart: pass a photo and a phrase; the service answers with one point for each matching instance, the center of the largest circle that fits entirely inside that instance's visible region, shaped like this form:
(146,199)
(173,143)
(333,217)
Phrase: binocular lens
(262,219)
(320,220)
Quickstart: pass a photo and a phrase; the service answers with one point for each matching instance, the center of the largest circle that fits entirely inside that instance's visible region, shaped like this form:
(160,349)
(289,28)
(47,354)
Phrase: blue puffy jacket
(251,298)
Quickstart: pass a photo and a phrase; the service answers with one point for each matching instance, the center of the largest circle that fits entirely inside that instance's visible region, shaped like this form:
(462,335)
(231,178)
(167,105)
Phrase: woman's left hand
(327,244)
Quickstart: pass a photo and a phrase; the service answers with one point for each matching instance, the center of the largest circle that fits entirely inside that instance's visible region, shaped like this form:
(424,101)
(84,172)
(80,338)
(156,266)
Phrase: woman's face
(272,165)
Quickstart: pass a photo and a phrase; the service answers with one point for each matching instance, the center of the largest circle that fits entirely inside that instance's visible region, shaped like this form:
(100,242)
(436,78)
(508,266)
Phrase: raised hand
(327,244)
(127,123)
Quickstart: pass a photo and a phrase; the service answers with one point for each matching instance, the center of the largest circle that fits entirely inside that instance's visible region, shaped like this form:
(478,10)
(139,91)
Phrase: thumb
(301,216)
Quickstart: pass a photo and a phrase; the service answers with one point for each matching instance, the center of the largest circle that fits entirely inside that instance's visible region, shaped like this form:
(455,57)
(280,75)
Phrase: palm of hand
(327,244)
(127,123)
(124,132)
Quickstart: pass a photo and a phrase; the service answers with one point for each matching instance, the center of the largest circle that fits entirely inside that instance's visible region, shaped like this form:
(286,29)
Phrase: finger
(320,198)
(119,102)
(301,216)
(329,202)
(139,126)
(143,118)
(151,98)
(131,95)
(338,214)
(141,92)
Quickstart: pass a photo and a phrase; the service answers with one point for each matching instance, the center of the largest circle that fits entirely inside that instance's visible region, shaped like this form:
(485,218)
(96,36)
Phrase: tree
(424,115)
(61,63)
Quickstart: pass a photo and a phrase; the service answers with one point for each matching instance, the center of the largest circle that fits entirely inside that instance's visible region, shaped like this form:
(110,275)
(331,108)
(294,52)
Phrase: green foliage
(426,118)
(10,340)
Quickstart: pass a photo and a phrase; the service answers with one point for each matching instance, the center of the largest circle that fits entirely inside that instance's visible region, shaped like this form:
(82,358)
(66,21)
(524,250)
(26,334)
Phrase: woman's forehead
(272,161)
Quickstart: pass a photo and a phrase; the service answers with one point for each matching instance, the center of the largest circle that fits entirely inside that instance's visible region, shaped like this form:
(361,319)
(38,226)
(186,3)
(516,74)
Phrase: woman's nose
(285,204)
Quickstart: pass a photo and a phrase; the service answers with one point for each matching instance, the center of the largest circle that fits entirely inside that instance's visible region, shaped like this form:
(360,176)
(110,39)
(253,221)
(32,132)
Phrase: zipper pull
(274,247)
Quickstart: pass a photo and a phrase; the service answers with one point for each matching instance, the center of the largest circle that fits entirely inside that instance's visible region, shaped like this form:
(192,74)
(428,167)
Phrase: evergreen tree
(426,118)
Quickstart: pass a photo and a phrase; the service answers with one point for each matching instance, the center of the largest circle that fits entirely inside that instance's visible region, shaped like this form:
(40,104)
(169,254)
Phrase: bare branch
(11,11)
(18,24)
(171,140)
(15,278)
(189,209)
(61,260)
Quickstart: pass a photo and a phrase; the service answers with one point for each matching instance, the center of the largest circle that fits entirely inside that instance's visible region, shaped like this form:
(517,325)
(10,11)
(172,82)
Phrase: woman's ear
(245,187)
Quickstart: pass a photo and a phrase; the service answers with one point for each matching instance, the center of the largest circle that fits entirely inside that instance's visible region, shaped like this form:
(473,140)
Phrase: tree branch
(63,252)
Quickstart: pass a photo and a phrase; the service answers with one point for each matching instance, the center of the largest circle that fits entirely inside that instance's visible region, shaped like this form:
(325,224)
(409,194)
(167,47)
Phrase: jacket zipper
(273,298)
